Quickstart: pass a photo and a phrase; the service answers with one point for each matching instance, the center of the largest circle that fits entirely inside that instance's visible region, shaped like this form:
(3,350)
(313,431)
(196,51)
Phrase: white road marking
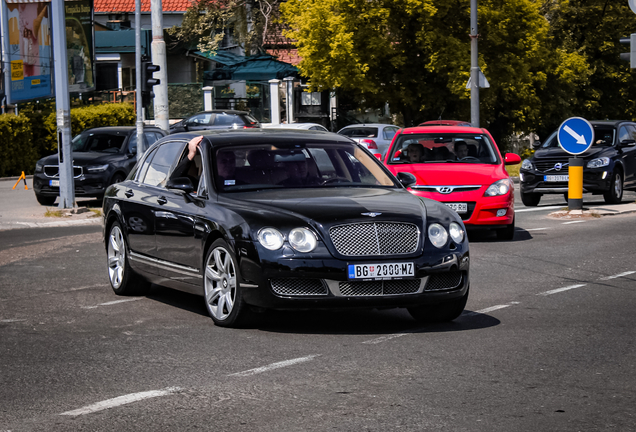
(537,229)
(121,400)
(618,275)
(275,366)
(485,311)
(572,222)
(92,221)
(558,290)
(384,338)
(537,209)
(111,303)
(10,320)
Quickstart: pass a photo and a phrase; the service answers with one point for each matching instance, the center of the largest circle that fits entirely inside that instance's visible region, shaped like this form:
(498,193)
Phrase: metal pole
(474,66)
(140,119)
(62,106)
(162,116)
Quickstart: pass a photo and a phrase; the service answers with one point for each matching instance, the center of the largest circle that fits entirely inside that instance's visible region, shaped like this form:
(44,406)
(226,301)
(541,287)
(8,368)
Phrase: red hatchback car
(461,167)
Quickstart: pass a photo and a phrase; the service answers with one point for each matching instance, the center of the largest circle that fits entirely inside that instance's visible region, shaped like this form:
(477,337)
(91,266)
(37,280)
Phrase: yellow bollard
(22,177)
(575,184)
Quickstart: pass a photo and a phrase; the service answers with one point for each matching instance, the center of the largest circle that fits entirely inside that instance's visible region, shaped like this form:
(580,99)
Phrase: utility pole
(140,120)
(62,106)
(162,116)
(474,66)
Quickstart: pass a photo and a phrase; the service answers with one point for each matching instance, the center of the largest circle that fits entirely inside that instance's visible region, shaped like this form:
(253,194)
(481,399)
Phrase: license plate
(458,207)
(54,183)
(556,178)
(381,271)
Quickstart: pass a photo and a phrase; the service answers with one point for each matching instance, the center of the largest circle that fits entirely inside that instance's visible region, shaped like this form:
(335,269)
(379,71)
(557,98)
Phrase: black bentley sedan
(101,156)
(278,219)
(609,165)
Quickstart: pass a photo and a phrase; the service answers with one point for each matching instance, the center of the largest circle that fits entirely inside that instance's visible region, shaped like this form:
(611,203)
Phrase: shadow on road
(490,236)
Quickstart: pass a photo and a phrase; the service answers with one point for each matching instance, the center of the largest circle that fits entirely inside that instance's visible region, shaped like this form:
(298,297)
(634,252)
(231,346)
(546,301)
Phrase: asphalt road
(546,343)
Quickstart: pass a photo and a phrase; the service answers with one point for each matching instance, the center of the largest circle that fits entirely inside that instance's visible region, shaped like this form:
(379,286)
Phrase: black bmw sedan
(101,156)
(609,165)
(270,219)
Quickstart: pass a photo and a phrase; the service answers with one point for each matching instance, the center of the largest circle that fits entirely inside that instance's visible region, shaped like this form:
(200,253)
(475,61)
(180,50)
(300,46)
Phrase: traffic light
(148,81)
(631,55)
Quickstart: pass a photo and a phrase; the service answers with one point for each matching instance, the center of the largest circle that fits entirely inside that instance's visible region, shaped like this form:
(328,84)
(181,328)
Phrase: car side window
(227,120)
(623,134)
(632,132)
(389,132)
(162,161)
(199,119)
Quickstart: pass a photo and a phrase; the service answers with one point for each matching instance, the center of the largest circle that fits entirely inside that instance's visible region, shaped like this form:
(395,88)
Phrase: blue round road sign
(575,135)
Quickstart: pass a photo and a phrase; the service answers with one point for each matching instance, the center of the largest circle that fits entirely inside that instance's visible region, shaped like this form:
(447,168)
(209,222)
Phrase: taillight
(371,145)
(250,126)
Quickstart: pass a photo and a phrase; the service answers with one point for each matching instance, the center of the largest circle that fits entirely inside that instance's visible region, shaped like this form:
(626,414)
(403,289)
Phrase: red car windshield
(443,148)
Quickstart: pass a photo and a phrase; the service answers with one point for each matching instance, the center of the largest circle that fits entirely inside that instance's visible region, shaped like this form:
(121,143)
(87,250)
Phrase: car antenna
(440,114)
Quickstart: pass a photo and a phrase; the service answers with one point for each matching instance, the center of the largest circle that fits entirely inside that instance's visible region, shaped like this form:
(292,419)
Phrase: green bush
(16,145)
(117,114)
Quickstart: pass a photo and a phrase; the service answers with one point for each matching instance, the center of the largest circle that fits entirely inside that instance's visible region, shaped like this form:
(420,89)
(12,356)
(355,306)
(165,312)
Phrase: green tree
(415,54)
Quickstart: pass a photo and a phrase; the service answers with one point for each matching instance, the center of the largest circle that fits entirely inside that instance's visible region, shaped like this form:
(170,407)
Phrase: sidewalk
(20,209)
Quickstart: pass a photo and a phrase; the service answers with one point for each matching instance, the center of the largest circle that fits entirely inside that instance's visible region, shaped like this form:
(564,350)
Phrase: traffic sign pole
(575,184)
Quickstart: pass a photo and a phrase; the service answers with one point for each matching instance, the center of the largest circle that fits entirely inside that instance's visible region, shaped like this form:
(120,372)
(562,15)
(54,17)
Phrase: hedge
(32,134)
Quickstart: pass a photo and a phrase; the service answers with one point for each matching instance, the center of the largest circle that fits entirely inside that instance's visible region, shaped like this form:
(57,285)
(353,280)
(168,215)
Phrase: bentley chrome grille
(298,287)
(375,238)
(379,288)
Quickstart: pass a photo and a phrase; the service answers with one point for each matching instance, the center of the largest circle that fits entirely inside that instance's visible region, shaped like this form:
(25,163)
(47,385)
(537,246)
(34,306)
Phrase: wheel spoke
(212,275)
(114,243)
(228,301)
(212,295)
(113,262)
(218,259)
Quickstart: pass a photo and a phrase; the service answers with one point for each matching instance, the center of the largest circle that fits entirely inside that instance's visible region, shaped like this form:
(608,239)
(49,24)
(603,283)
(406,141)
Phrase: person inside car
(415,153)
(461,149)
(190,166)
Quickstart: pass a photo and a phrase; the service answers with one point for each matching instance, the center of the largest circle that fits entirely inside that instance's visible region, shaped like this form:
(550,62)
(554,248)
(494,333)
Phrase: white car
(307,126)
(375,136)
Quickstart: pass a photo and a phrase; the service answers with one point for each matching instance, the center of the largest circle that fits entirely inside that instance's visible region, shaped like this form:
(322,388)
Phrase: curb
(15,179)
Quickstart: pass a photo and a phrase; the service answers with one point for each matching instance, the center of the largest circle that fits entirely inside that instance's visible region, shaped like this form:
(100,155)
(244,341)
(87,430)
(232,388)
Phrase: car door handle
(162,200)
(129,193)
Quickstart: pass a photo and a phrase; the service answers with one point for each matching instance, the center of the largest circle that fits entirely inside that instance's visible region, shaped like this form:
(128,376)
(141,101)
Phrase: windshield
(603,136)
(269,166)
(98,142)
(443,148)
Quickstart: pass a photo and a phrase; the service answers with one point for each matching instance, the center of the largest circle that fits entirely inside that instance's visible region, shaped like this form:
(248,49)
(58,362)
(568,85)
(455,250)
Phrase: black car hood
(558,153)
(329,206)
(84,158)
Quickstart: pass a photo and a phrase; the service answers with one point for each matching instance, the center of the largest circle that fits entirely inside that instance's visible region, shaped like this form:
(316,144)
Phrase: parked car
(462,168)
(101,156)
(283,219)
(306,126)
(609,165)
(446,123)
(374,136)
(216,119)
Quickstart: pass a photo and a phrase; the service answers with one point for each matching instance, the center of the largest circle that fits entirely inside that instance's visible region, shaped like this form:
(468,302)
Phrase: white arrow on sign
(580,139)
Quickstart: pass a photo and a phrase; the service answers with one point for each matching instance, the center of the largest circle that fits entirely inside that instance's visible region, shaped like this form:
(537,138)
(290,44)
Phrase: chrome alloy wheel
(220,283)
(116,257)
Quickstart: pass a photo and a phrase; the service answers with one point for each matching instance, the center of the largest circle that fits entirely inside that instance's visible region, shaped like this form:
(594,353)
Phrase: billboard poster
(28,51)
(79,45)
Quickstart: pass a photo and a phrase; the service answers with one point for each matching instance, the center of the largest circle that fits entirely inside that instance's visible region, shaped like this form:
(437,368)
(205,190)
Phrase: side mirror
(537,144)
(512,159)
(407,179)
(183,184)
(627,143)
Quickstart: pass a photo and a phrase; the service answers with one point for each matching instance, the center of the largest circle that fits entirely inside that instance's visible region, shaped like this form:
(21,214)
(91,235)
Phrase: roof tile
(106,6)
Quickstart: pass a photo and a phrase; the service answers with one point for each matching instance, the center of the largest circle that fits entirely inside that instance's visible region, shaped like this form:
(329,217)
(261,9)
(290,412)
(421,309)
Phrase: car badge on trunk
(445,189)
(371,214)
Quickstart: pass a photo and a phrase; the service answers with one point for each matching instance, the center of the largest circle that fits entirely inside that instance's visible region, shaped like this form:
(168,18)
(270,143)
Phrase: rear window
(227,120)
(360,132)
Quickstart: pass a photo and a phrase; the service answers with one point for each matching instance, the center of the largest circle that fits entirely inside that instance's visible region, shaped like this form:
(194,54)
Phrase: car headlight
(270,238)
(302,240)
(437,234)
(598,162)
(526,165)
(500,187)
(456,232)
(97,168)
(39,166)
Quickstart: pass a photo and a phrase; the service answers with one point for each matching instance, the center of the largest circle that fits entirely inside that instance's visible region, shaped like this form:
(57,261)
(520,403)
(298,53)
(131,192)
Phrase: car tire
(123,279)
(45,200)
(530,199)
(615,194)
(507,233)
(222,288)
(117,178)
(443,312)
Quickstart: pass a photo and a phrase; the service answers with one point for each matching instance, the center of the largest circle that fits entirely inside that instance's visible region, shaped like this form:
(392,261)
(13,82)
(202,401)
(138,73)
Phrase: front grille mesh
(298,287)
(548,166)
(443,281)
(375,238)
(379,288)
(54,171)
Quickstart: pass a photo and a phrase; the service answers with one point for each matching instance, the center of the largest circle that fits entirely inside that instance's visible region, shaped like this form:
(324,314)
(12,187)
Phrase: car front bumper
(86,185)
(594,181)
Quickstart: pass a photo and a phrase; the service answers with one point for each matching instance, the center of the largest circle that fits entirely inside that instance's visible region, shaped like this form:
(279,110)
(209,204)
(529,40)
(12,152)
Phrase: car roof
(443,129)
(261,136)
(120,129)
(445,123)
(290,125)
(369,125)
(221,111)
(608,122)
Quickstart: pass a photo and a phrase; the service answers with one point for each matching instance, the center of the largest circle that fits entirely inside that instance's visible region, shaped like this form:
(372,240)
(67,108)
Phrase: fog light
(604,174)
(501,212)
